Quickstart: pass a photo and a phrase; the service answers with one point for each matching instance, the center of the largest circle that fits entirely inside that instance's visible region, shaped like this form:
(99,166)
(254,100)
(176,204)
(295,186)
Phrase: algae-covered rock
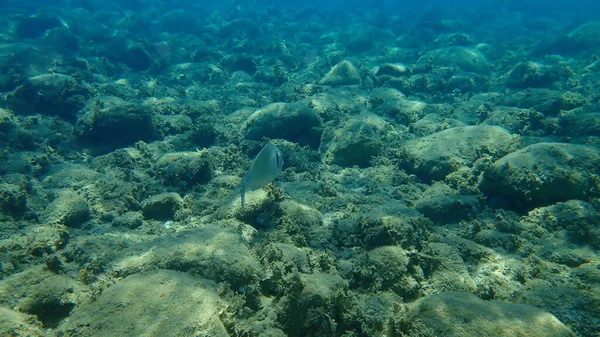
(581,124)
(113,122)
(466,59)
(355,143)
(463,314)
(546,101)
(586,36)
(212,251)
(543,173)
(45,240)
(16,323)
(385,225)
(185,168)
(51,300)
(393,70)
(31,27)
(295,122)
(69,209)
(447,266)
(51,95)
(162,206)
(435,156)
(343,73)
(531,75)
(159,303)
(129,220)
(13,199)
(303,223)
(405,111)
(309,312)
(578,218)
(386,268)
(450,208)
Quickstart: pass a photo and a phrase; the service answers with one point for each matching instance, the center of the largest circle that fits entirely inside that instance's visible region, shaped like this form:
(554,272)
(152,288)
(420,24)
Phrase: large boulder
(355,143)
(295,122)
(343,73)
(185,168)
(435,156)
(113,122)
(463,314)
(50,94)
(466,59)
(178,305)
(544,173)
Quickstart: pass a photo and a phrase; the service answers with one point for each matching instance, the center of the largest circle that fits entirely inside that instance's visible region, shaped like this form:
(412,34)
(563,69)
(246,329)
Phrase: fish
(265,167)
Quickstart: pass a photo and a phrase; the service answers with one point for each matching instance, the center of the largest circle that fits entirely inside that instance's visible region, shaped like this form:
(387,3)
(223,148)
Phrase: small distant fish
(264,168)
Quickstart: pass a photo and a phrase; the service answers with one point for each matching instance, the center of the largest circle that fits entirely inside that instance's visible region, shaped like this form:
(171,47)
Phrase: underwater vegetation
(271,168)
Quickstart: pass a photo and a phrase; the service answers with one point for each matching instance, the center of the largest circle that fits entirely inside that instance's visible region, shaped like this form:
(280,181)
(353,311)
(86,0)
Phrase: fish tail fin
(243,193)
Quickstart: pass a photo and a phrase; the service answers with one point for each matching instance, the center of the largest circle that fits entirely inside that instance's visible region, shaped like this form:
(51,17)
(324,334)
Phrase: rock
(213,251)
(162,206)
(495,239)
(355,143)
(548,102)
(405,228)
(13,199)
(15,323)
(466,59)
(306,314)
(130,53)
(511,118)
(243,63)
(531,75)
(113,122)
(62,40)
(343,73)
(581,124)
(129,220)
(432,123)
(393,69)
(294,122)
(51,95)
(544,173)
(388,267)
(407,112)
(454,39)
(46,240)
(578,218)
(188,306)
(304,224)
(467,82)
(69,209)
(21,62)
(449,209)
(32,27)
(185,168)
(586,36)
(173,125)
(51,300)
(463,314)
(435,156)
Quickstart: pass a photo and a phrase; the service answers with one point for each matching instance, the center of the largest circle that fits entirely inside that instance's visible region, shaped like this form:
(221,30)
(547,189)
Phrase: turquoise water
(441,168)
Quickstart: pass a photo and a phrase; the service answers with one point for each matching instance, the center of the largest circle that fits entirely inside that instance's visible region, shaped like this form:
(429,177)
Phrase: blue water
(432,150)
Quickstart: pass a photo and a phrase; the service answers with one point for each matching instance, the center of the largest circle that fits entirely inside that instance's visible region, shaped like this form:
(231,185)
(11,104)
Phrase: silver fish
(264,168)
